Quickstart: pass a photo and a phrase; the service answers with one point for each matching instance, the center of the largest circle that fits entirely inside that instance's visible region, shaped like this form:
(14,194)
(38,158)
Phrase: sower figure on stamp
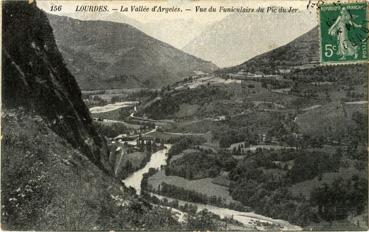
(340,28)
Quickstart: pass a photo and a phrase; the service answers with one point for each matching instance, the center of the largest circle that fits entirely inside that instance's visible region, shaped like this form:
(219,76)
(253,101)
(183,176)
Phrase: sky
(70,6)
(183,28)
(208,17)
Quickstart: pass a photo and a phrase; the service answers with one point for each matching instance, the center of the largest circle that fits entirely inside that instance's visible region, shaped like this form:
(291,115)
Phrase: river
(112,106)
(157,159)
(249,219)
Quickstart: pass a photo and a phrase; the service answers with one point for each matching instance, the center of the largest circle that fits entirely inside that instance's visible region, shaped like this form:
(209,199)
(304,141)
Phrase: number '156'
(56,8)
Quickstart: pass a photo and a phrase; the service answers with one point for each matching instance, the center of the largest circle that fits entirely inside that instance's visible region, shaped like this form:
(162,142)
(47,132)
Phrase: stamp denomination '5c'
(343,32)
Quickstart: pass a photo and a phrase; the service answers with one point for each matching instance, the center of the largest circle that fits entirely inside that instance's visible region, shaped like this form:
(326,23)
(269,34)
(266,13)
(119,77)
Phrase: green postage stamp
(343,32)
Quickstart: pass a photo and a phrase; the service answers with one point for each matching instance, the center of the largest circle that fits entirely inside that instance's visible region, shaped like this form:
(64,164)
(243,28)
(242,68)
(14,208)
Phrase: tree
(202,221)
(264,85)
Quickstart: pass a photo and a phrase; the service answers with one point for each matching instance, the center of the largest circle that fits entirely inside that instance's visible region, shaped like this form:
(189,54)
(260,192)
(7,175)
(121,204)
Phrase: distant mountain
(176,32)
(117,18)
(239,37)
(106,55)
(303,51)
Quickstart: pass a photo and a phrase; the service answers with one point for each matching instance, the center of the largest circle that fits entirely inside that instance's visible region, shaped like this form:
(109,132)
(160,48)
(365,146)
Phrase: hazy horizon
(188,31)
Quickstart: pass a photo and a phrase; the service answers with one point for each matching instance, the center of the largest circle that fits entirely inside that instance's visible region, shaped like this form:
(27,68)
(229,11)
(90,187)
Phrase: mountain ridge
(302,51)
(213,43)
(113,59)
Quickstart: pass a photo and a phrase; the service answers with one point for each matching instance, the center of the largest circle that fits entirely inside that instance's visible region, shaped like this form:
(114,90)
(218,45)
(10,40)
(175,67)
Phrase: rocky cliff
(36,78)
(54,166)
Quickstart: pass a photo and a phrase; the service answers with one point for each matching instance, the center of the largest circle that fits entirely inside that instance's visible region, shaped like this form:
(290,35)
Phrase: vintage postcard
(184,115)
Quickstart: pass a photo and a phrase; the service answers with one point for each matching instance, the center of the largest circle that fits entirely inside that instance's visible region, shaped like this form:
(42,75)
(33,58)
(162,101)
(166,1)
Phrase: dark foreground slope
(54,166)
(107,55)
(49,185)
(34,76)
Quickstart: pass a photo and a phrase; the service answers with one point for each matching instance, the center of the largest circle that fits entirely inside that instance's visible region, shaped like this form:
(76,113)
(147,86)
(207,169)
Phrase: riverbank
(248,219)
(158,159)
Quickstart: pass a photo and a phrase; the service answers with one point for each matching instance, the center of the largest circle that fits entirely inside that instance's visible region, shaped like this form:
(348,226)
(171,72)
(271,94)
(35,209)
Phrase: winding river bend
(158,159)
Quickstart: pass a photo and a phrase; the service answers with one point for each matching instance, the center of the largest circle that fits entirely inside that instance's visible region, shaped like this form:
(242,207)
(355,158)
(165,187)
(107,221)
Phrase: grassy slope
(117,114)
(48,185)
(135,158)
(329,119)
(110,58)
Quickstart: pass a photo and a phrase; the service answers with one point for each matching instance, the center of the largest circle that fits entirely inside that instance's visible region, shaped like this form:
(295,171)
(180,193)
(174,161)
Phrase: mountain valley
(257,131)
(106,128)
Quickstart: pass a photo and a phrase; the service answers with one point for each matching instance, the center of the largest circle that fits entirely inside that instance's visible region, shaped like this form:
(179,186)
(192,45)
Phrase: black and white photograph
(184,115)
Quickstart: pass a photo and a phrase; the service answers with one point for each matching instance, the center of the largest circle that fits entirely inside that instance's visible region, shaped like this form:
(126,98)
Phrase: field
(186,110)
(172,136)
(113,123)
(204,186)
(307,186)
(187,151)
(108,94)
(253,148)
(289,101)
(196,126)
(116,114)
(329,120)
(336,226)
(111,107)
(207,80)
(115,111)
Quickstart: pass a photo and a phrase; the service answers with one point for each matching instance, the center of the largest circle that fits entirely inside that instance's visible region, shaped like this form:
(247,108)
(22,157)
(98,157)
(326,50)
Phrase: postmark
(343,33)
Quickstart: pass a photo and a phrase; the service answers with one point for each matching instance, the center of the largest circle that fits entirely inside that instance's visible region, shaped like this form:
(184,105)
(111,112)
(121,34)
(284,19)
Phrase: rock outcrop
(36,78)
